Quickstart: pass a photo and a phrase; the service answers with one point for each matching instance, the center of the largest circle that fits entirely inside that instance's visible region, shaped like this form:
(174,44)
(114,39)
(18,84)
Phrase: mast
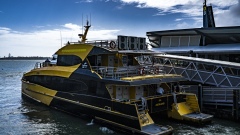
(84,36)
(208,17)
(205,17)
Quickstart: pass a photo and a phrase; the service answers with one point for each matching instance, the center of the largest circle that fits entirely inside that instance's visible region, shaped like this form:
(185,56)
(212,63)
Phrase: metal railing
(101,43)
(218,95)
(38,65)
(205,71)
(215,95)
(128,71)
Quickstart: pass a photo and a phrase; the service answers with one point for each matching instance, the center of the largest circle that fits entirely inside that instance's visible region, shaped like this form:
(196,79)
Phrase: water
(19,117)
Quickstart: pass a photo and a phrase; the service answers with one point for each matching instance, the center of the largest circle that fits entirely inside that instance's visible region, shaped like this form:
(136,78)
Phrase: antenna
(61,37)
(84,35)
(90,19)
(205,3)
(82,23)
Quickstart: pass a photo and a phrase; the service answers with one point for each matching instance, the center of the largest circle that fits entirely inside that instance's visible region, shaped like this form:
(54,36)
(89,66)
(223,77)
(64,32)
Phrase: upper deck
(124,61)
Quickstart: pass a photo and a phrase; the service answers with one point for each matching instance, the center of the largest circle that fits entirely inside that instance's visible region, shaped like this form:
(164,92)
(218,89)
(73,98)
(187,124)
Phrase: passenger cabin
(127,69)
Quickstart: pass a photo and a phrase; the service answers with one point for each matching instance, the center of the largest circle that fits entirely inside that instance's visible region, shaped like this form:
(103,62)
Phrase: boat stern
(189,111)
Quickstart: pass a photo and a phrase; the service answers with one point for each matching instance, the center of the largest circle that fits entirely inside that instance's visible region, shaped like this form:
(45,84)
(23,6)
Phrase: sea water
(20,117)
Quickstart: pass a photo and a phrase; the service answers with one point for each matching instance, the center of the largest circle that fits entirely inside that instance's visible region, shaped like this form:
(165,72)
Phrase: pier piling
(200,95)
(235,104)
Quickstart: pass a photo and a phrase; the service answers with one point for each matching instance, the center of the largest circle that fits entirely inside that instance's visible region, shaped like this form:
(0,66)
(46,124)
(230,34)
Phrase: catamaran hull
(96,107)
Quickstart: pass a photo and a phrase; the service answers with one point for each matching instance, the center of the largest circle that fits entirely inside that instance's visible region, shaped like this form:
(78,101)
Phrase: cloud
(178,5)
(45,42)
(4,30)
(229,17)
(235,10)
(192,9)
(84,1)
(72,26)
(178,19)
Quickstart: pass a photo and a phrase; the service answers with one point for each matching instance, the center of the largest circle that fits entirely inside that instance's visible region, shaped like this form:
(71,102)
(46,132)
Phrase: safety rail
(218,95)
(129,71)
(214,95)
(107,44)
(38,65)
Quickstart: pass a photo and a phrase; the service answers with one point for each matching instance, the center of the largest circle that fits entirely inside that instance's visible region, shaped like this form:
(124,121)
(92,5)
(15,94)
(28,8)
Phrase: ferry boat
(114,82)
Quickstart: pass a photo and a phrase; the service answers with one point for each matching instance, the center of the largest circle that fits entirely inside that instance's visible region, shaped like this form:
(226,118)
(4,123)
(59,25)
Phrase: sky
(41,27)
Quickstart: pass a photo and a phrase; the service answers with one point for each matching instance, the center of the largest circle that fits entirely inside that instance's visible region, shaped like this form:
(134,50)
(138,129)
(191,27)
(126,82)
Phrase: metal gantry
(206,71)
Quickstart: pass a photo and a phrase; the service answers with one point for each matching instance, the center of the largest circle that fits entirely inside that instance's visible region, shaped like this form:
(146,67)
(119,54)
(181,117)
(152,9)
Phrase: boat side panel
(103,103)
(106,112)
(95,84)
(96,107)
(37,92)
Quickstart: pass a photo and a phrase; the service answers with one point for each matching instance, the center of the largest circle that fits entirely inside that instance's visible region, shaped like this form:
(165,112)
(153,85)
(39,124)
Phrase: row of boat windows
(59,83)
(69,85)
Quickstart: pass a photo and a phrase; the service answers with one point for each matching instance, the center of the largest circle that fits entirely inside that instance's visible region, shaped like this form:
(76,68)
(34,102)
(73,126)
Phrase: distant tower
(9,55)
(208,18)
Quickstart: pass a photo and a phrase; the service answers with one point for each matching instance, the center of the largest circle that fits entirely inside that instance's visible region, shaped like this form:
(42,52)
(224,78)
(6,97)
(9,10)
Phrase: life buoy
(112,45)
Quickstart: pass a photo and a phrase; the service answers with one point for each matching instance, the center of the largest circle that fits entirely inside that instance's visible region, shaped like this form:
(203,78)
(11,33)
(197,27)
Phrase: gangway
(206,71)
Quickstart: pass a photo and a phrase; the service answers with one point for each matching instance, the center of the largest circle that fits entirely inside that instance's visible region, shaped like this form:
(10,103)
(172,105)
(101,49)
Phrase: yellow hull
(38,93)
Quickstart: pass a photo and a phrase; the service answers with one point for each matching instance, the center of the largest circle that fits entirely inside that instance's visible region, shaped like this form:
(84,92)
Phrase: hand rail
(129,71)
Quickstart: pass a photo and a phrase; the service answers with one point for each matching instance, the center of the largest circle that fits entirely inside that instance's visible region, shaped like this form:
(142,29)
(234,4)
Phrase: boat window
(59,83)
(92,60)
(130,60)
(124,60)
(54,57)
(68,60)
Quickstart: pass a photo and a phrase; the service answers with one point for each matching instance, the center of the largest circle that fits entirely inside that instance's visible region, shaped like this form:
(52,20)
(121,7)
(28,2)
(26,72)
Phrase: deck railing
(38,65)
(100,43)
(215,95)
(128,71)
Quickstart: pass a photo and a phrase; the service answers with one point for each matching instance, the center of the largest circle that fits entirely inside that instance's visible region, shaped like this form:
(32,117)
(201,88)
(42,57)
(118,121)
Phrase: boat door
(99,61)
(111,60)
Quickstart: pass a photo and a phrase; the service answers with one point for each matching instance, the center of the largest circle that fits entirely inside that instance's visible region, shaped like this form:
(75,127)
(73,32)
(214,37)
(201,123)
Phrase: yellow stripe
(53,71)
(74,50)
(38,92)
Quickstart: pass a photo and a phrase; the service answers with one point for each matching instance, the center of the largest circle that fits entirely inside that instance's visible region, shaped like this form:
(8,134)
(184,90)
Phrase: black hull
(126,122)
(93,111)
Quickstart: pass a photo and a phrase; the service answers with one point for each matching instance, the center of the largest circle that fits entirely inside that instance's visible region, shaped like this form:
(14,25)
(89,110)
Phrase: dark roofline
(192,31)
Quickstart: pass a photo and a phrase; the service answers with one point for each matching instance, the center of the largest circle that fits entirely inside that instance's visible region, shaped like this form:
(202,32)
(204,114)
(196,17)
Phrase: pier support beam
(172,87)
(200,93)
(235,104)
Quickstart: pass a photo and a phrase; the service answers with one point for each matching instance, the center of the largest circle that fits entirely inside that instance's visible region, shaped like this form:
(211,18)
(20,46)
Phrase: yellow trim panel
(38,92)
